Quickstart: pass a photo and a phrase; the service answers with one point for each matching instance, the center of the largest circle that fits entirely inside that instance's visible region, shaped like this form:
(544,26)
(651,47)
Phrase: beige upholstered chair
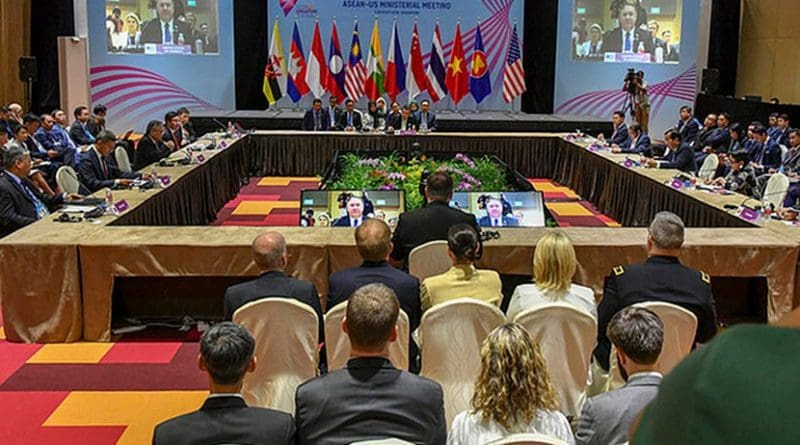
(709,167)
(428,260)
(566,336)
(776,189)
(286,334)
(123,162)
(67,179)
(337,345)
(451,334)
(680,328)
(527,439)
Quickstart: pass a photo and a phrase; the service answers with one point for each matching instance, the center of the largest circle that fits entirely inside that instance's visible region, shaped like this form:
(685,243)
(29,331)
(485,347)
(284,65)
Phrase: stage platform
(448,121)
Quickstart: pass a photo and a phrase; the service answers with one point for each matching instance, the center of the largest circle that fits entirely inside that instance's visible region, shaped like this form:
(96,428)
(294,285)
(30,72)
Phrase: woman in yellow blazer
(463,279)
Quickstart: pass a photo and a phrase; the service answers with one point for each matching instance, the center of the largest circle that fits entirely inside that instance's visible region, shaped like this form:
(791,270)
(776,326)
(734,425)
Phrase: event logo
(479,65)
(306,10)
(287,6)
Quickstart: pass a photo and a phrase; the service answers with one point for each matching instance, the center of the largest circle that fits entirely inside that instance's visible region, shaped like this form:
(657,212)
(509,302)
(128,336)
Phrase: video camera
(630,81)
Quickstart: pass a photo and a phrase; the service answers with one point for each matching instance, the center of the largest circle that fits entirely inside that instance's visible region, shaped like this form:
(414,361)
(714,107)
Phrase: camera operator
(636,88)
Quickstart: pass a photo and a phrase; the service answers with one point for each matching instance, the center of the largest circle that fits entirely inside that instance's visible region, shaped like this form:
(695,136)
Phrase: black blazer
(344,221)
(16,207)
(227,419)
(620,136)
(689,129)
(398,121)
(642,146)
(431,120)
(149,151)
(427,224)
(77,134)
(683,159)
(324,118)
(168,136)
(151,33)
(612,41)
(370,399)
(341,120)
(94,178)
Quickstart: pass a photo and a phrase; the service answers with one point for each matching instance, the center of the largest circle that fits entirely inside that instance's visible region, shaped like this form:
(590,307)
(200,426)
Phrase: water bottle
(659,55)
(423,127)
(640,50)
(109,201)
(181,39)
(198,47)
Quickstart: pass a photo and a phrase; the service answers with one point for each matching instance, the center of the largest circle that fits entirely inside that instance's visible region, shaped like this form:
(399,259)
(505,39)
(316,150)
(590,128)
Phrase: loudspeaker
(27,69)
(710,83)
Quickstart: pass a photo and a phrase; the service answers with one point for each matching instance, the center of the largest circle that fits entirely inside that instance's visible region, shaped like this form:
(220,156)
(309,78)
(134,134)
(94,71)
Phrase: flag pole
(516,104)
(458,26)
(477,104)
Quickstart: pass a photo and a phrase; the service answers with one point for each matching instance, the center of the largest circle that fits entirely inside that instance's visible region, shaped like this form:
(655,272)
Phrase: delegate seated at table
(639,142)
(96,173)
(679,156)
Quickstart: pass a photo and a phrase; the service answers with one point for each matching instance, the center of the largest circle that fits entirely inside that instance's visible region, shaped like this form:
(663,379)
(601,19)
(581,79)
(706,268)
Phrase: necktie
(41,210)
(167,33)
(349,119)
(628,45)
(496,222)
(104,166)
(355,223)
(316,121)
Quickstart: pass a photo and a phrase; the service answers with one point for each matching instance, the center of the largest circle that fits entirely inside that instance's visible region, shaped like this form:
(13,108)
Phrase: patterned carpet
(275,202)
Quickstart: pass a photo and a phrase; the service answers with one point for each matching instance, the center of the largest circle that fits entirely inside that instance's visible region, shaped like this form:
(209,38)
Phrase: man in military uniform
(661,278)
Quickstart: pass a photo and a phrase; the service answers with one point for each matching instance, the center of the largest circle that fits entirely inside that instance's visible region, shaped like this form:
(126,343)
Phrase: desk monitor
(502,209)
(324,208)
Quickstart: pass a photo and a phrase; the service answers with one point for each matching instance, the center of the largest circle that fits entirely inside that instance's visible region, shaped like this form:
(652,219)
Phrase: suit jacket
(334,120)
(508,221)
(683,159)
(719,138)
(689,129)
(49,140)
(344,221)
(94,178)
(701,139)
(606,418)
(641,146)
(431,120)
(768,154)
(152,32)
(390,117)
(324,118)
(78,134)
(17,209)
(369,399)
(411,122)
(210,43)
(176,136)
(660,278)
(672,53)
(341,121)
(426,224)
(149,151)
(227,419)
(274,284)
(620,136)
(612,41)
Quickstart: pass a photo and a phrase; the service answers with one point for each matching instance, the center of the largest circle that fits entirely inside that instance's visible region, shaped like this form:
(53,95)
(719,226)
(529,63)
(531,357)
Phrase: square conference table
(57,279)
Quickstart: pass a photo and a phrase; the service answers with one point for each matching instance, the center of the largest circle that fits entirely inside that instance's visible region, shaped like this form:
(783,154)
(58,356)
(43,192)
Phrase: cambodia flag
(395,82)
(296,86)
(480,85)
(335,66)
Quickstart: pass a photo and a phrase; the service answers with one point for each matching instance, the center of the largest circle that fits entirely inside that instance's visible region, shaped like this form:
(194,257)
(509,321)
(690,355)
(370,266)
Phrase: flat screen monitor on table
(502,209)
(349,208)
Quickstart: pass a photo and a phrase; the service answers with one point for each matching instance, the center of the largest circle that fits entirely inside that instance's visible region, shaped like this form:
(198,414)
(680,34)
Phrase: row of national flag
(301,75)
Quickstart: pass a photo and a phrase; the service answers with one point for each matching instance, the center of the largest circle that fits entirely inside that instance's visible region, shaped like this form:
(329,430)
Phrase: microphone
(220,125)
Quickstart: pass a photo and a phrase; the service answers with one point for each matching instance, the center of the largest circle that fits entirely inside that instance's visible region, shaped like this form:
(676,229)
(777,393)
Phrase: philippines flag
(416,82)
(513,74)
(480,85)
(296,86)
(436,68)
(317,73)
(336,74)
(356,73)
(395,82)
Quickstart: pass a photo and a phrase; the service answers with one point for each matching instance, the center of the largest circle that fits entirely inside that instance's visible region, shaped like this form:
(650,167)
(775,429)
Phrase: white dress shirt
(171,30)
(528,296)
(469,428)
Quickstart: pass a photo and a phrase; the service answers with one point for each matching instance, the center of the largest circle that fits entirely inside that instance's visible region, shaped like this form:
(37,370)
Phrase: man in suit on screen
(165,29)
(628,38)
(355,213)
(494,215)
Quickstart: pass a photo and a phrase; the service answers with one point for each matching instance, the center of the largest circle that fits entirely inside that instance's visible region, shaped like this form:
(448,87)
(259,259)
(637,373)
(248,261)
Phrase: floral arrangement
(393,172)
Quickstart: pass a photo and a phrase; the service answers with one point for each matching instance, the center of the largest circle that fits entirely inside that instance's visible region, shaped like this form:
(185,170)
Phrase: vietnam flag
(395,67)
(457,78)
(373,87)
(317,72)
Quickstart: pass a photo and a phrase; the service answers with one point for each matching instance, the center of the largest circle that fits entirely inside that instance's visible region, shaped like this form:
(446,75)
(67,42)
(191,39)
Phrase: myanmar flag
(375,71)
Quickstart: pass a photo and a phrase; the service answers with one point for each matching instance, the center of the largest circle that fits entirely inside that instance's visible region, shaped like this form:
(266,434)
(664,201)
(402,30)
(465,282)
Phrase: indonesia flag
(416,82)
(395,82)
(356,73)
(335,66)
(317,73)
(296,85)
(436,68)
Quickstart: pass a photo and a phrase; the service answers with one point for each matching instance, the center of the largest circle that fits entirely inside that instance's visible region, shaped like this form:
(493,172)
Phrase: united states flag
(514,74)
(356,72)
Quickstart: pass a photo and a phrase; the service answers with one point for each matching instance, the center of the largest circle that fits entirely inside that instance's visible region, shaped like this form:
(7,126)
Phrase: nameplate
(595,148)
(200,158)
(165,180)
(749,214)
(677,184)
(121,206)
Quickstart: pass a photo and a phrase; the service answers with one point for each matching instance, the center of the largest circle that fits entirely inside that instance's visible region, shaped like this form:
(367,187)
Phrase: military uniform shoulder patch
(618,270)
(705,277)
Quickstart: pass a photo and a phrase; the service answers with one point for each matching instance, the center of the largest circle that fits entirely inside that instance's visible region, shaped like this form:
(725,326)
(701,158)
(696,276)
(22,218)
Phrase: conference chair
(709,167)
(123,161)
(451,334)
(286,334)
(67,179)
(429,259)
(337,345)
(776,189)
(527,439)
(566,336)
(680,327)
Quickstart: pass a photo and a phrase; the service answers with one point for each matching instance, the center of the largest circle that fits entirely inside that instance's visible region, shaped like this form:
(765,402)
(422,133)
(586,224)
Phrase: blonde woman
(133,28)
(554,266)
(513,393)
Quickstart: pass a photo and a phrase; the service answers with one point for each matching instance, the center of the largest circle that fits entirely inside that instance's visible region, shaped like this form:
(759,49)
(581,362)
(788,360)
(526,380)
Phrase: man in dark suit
(58,149)
(79,132)
(661,278)
(628,38)
(679,156)
(431,222)
(95,171)
(226,355)
(639,142)
(151,147)
(316,119)
(350,118)
(495,215)
(210,43)
(392,115)
(165,29)
(21,203)
(269,253)
(672,52)
(334,110)
(426,117)
(405,121)
(687,124)
(373,240)
(766,154)
(355,213)
(619,137)
(173,132)
(720,138)
(638,335)
(370,398)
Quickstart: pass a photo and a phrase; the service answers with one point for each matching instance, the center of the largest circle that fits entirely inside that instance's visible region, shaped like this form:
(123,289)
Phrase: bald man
(269,253)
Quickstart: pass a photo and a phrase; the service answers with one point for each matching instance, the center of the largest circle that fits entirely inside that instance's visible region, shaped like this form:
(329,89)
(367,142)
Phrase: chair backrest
(776,189)
(429,259)
(709,167)
(566,336)
(337,345)
(527,439)
(451,334)
(286,334)
(680,327)
(784,150)
(123,162)
(67,179)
